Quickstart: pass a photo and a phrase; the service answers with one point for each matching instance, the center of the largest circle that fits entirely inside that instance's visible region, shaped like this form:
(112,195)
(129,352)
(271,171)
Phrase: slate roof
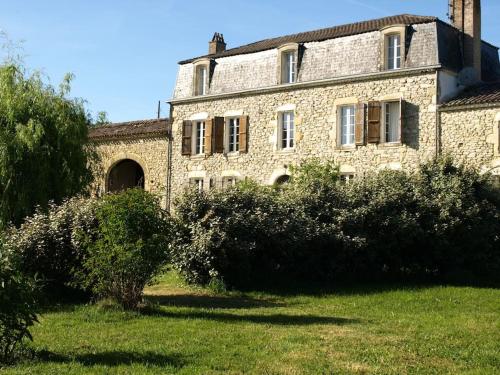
(130,129)
(486,93)
(322,34)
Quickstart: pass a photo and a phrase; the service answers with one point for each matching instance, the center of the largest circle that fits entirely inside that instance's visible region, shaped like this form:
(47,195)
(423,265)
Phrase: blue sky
(124,53)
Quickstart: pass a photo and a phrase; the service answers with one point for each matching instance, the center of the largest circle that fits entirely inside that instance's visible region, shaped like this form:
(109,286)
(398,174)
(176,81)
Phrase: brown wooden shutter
(374,110)
(208,136)
(187,134)
(359,128)
(244,134)
(401,119)
(218,134)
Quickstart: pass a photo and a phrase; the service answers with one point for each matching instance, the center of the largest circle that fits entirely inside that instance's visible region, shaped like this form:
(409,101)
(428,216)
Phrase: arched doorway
(126,174)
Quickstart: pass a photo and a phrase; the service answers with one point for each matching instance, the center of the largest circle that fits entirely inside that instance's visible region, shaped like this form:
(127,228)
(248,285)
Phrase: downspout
(168,181)
(438,118)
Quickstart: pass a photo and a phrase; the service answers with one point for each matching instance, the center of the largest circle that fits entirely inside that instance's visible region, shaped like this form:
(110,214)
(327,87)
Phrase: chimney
(217,44)
(466,16)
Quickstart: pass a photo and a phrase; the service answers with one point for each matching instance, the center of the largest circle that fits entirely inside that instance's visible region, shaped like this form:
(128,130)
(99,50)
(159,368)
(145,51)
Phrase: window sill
(197,157)
(285,151)
(346,148)
(232,154)
(390,144)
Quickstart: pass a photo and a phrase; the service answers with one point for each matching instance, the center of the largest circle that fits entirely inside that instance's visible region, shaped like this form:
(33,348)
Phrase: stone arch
(119,158)
(277,174)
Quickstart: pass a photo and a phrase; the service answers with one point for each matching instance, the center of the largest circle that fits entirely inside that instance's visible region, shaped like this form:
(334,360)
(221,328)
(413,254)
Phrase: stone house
(385,93)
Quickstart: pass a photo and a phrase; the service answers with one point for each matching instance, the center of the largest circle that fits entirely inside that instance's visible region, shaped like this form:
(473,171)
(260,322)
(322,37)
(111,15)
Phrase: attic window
(288,63)
(201,77)
(393,48)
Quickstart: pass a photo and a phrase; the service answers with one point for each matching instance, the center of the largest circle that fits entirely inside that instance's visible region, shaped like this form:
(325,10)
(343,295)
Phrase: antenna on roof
(159,104)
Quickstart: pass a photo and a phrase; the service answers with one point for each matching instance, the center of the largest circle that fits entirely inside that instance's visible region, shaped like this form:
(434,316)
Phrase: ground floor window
(287,132)
(229,181)
(197,183)
(347,119)
(200,137)
(391,122)
(346,177)
(233,134)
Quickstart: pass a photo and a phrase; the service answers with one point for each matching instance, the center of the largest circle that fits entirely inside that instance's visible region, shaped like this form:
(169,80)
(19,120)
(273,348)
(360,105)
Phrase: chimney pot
(217,44)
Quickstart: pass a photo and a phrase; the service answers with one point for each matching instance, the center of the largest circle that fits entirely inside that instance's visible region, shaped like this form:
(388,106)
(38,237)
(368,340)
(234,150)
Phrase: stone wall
(472,136)
(151,153)
(316,130)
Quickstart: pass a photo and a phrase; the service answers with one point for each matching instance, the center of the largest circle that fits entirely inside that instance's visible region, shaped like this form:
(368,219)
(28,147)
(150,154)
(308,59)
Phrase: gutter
(309,84)
(464,107)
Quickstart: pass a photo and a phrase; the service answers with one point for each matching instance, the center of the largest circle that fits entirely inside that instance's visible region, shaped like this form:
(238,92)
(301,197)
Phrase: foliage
(18,306)
(442,221)
(128,248)
(44,153)
(49,242)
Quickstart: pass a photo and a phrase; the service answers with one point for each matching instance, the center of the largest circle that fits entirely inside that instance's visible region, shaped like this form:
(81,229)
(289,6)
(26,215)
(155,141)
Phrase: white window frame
(387,33)
(198,137)
(352,124)
(346,178)
(289,61)
(229,181)
(198,183)
(232,136)
(391,43)
(385,119)
(286,130)
(201,77)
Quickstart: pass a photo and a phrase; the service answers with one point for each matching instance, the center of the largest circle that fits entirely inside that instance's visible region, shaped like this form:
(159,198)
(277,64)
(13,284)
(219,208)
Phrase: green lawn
(376,330)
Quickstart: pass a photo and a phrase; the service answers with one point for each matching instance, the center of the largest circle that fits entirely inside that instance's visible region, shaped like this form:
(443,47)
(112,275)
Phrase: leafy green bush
(128,248)
(442,221)
(18,306)
(49,244)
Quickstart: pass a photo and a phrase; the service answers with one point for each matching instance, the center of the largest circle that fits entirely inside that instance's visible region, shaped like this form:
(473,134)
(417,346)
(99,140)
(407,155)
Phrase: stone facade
(471,135)
(151,153)
(316,121)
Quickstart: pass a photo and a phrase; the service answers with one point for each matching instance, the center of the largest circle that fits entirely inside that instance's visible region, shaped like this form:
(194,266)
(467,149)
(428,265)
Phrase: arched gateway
(125,174)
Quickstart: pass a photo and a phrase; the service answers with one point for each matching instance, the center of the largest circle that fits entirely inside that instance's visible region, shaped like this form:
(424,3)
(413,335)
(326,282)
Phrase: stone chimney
(217,44)
(466,16)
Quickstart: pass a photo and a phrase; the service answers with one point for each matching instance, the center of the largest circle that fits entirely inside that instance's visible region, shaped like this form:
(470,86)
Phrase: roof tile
(131,128)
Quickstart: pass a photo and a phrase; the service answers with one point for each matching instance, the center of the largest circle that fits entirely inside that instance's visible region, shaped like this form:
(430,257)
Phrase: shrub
(49,245)
(240,236)
(18,307)
(128,248)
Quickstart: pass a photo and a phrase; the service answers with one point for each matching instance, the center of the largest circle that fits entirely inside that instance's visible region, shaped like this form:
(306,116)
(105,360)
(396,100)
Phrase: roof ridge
(413,18)
(128,123)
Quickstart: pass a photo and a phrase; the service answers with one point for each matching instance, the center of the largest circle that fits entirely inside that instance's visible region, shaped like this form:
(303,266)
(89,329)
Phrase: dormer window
(393,54)
(393,50)
(288,63)
(289,66)
(201,77)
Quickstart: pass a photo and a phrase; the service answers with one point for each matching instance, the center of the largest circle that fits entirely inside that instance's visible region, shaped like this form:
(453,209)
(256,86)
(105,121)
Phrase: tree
(44,153)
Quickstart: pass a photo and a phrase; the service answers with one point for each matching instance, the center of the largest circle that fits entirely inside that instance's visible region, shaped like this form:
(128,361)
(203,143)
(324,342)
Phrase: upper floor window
(287,131)
(393,51)
(347,124)
(233,134)
(199,137)
(392,122)
(201,80)
(289,66)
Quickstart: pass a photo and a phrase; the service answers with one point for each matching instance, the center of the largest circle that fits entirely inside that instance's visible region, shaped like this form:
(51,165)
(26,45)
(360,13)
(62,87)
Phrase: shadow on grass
(112,358)
(275,319)
(212,302)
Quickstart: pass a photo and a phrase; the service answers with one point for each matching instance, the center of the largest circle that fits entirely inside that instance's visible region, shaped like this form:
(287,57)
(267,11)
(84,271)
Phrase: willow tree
(44,153)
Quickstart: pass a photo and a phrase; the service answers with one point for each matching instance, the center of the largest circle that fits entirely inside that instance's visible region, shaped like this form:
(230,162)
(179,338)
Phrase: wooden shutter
(244,134)
(359,127)
(187,134)
(218,135)
(374,110)
(208,136)
(401,119)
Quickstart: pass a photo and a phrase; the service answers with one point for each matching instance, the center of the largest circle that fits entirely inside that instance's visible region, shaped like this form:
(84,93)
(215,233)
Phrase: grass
(355,330)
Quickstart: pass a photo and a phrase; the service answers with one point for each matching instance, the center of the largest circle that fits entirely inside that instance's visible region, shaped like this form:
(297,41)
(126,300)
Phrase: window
(282,180)
(201,80)
(199,137)
(393,51)
(347,118)
(391,122)
(289,67)
(233,134)
(346,177)
(286,130)
(197,183)
(228,182)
